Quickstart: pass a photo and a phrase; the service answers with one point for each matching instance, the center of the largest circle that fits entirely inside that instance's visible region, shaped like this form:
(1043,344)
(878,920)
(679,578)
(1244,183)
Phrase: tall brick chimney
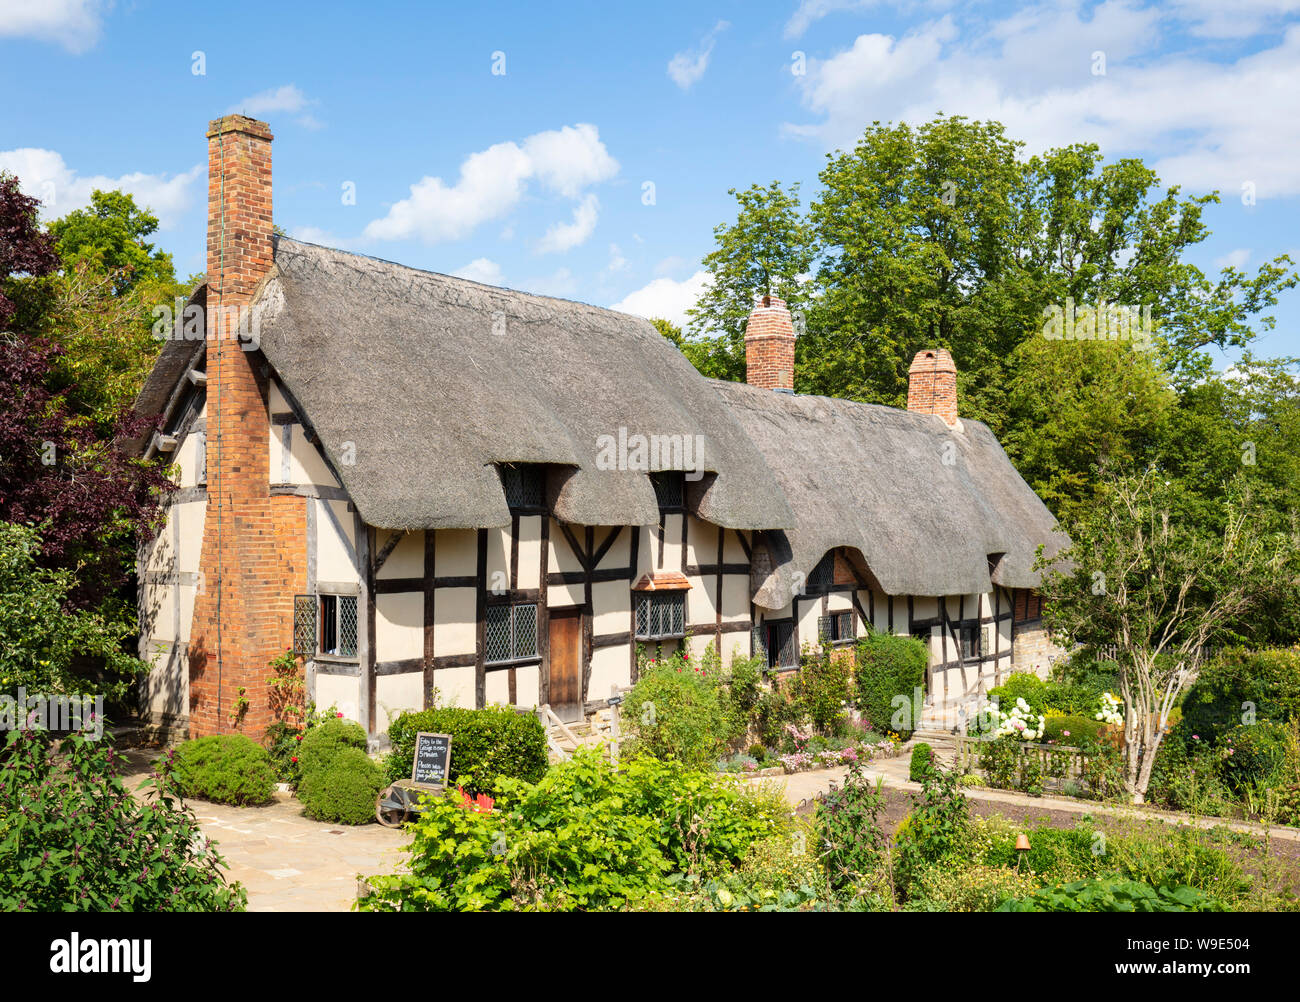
(932,384)
(769,346)
(243,610)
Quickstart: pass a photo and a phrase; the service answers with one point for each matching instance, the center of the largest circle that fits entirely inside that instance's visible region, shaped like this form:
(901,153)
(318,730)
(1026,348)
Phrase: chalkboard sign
(432,759)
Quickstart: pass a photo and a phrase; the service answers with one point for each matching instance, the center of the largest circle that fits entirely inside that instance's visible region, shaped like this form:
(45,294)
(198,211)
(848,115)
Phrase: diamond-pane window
(510,633)
(304,625)
(338,626)
(781,652)
(524,485)
(660,614)
(670,490)
(823,575)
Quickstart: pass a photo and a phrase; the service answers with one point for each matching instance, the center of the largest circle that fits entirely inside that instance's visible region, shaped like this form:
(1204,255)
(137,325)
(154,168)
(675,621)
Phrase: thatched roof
(434,379)
(874,479)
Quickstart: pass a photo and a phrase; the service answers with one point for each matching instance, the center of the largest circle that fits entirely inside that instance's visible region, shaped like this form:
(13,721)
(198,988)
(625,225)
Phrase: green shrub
(775,709)
(225,769)
(1081,729)
(485,744)
(343,791)
(73,838)
(922,762)
(1054,854)
(743,690)
(321,744)
(1021,685)
(821,690)
(888,668)
(973,888)
(586,837)
(1268,679)
(675,711)
(1113,894)
(1188,776)
(852,842)
(1253,754)
(936,829)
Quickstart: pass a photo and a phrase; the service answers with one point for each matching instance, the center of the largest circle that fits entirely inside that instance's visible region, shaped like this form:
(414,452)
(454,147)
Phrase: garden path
(287,861)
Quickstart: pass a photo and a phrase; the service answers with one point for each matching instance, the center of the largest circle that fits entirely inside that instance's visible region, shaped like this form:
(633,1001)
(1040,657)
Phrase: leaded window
(524,485)
(510,633)
(837,628)
(823,575)
(337,621)
(660,614)
(670,490)
(781,650)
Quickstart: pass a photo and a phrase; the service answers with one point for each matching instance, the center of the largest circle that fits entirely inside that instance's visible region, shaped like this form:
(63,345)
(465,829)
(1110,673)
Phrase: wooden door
(565,694)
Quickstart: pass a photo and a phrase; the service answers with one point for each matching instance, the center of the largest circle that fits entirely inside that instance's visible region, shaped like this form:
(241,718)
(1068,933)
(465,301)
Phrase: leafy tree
(24,249)
(90,499)
(1161,589)
(111,234)
(41,639)
(766,251)
(1072,407)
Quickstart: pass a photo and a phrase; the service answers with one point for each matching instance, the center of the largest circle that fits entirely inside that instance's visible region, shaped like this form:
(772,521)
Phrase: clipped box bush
(1081,729)
(225,769)
(921,765)
(323,743)
(344,791)
(485,744)
(886,667)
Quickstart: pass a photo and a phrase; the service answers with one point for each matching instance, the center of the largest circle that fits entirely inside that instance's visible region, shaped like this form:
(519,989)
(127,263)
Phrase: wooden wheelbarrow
(400,803)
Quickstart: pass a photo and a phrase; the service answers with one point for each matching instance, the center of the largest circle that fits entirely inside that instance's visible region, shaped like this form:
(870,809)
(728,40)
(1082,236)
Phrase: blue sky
(536,177)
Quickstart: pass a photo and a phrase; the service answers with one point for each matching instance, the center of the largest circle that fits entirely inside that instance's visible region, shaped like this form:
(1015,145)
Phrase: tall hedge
(485,744)
(1268,679)
(889,666)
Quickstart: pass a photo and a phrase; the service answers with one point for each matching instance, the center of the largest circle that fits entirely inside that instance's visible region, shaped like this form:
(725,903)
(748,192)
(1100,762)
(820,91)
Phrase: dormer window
(670,490)
(823,575)
(524,485)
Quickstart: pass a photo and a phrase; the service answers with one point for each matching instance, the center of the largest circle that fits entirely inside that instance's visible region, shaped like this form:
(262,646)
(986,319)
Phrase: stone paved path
(287,861)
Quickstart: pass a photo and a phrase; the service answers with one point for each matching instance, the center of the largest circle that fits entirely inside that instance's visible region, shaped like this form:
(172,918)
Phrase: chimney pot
(769,345)
(932,384)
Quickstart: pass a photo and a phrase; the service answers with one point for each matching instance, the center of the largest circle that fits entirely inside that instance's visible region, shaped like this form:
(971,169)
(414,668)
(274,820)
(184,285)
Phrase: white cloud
(483,270)
(810,11)
(1230,122)
(561,284)
(74,24)
(1237,258)
(287,99)
(44,175)
(561,237)
(689,65)
(665,298)
(617,262)
(1240,19)
(493,181)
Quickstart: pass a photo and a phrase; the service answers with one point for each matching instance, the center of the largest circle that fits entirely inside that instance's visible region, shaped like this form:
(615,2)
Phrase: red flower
(482,804)
(294,759)
(339,715)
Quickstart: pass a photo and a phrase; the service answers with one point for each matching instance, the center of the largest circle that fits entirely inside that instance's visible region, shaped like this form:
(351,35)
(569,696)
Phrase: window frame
(515,657)
(837,618)
(675,595)
(525,472)
(338,600)
(773,651)
(656,479)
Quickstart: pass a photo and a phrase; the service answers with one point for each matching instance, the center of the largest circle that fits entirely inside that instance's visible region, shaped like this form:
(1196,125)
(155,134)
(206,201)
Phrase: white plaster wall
(395,694)
(456,553)
(611,612)
(399,626)
(530,552)
(609,666)
(342,691)
(735,598)
(455,628)
(407,558)
(455,686)
(528,683)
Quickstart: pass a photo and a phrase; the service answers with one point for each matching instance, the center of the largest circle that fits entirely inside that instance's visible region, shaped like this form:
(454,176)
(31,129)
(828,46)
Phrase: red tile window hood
(662,581)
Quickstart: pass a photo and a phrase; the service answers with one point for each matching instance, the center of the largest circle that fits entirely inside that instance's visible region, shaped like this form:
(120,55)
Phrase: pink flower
(1065,734)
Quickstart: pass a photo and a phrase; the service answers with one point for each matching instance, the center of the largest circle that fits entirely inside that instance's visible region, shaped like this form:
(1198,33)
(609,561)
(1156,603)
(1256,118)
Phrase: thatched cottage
(421,483)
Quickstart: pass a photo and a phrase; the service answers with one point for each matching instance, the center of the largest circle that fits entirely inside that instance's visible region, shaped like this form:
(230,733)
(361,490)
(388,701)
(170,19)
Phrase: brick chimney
(769,346)
(932,384)
(243,611)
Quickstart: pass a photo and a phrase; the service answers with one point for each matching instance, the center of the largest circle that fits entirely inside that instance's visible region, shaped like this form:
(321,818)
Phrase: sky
(585,150)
